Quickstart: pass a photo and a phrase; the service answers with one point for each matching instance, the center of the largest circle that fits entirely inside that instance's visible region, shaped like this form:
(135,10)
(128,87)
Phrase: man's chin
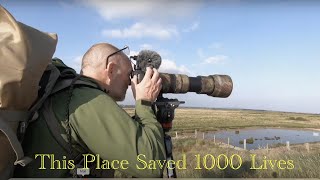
(120,99)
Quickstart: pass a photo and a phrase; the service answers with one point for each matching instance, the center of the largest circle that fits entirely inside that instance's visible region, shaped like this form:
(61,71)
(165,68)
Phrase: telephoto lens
(213,85)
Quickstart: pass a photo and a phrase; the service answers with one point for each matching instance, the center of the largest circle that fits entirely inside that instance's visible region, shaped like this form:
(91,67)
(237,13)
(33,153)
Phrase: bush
(297,118)
(248,141)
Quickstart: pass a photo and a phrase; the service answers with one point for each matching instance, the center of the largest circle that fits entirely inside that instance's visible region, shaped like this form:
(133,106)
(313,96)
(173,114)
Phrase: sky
(271,50)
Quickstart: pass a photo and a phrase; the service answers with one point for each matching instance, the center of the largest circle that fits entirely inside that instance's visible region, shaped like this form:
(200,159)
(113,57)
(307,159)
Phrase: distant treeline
(190,107)
(236,109)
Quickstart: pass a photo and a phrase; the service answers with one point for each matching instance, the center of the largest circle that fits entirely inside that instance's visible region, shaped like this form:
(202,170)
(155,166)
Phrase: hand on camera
(148,89)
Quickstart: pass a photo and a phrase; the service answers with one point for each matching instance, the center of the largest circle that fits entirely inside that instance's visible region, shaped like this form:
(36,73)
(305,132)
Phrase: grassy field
(187,119)
(306,164)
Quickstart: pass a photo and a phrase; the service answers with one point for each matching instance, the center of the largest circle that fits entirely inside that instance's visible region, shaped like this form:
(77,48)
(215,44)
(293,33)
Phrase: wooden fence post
(245,144)
(308,147)
(288,145)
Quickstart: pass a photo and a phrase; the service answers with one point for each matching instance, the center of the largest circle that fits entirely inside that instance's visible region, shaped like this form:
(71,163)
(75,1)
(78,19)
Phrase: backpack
(28,76)
(25,53)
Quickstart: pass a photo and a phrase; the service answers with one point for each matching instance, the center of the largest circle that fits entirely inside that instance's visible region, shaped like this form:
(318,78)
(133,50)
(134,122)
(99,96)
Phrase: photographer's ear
(111,70)
(108,73)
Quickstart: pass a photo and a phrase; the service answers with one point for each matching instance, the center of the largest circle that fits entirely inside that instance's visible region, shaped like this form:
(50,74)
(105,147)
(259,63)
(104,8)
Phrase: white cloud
(145,13)
(140,30)
(205,59)
(143,9)
(218,59)
(146,46)
(169,66)
(193,27)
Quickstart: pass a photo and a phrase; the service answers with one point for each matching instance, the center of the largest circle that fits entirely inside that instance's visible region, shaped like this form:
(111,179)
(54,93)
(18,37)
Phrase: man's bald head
(113,75)
(96,56)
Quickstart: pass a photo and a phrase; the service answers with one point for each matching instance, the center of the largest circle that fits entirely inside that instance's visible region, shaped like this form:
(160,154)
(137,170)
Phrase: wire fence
(226,141)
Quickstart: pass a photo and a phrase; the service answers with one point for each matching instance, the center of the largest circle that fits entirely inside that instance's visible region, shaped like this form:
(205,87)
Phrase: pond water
(263,137)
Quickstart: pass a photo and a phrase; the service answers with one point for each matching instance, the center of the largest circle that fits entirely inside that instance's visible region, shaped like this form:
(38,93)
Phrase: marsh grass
(205,120)
(187,120)
(298,118)
(306,165)
(211,119)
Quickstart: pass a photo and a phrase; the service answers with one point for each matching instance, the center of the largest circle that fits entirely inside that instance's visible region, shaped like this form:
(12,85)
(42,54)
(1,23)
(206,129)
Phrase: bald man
(103,136)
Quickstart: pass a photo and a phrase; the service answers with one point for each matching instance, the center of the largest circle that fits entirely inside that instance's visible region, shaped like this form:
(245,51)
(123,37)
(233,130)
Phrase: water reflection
(260,138)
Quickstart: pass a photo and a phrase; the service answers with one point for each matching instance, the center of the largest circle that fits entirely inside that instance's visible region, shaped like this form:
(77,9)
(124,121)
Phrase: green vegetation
(249,141)
(297,118)
(306,164)
(205,120)
(211,119)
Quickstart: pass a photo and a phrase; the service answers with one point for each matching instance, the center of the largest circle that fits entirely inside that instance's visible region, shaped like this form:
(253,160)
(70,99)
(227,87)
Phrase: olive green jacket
(99,127)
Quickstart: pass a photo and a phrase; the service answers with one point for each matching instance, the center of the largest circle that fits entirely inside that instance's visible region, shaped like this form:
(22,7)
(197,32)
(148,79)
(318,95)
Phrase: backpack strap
(14,116)
(49,116)
(54,125)
(56,130)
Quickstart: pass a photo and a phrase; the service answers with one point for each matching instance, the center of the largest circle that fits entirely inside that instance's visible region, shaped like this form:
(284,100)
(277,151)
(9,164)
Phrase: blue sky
(271,49)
